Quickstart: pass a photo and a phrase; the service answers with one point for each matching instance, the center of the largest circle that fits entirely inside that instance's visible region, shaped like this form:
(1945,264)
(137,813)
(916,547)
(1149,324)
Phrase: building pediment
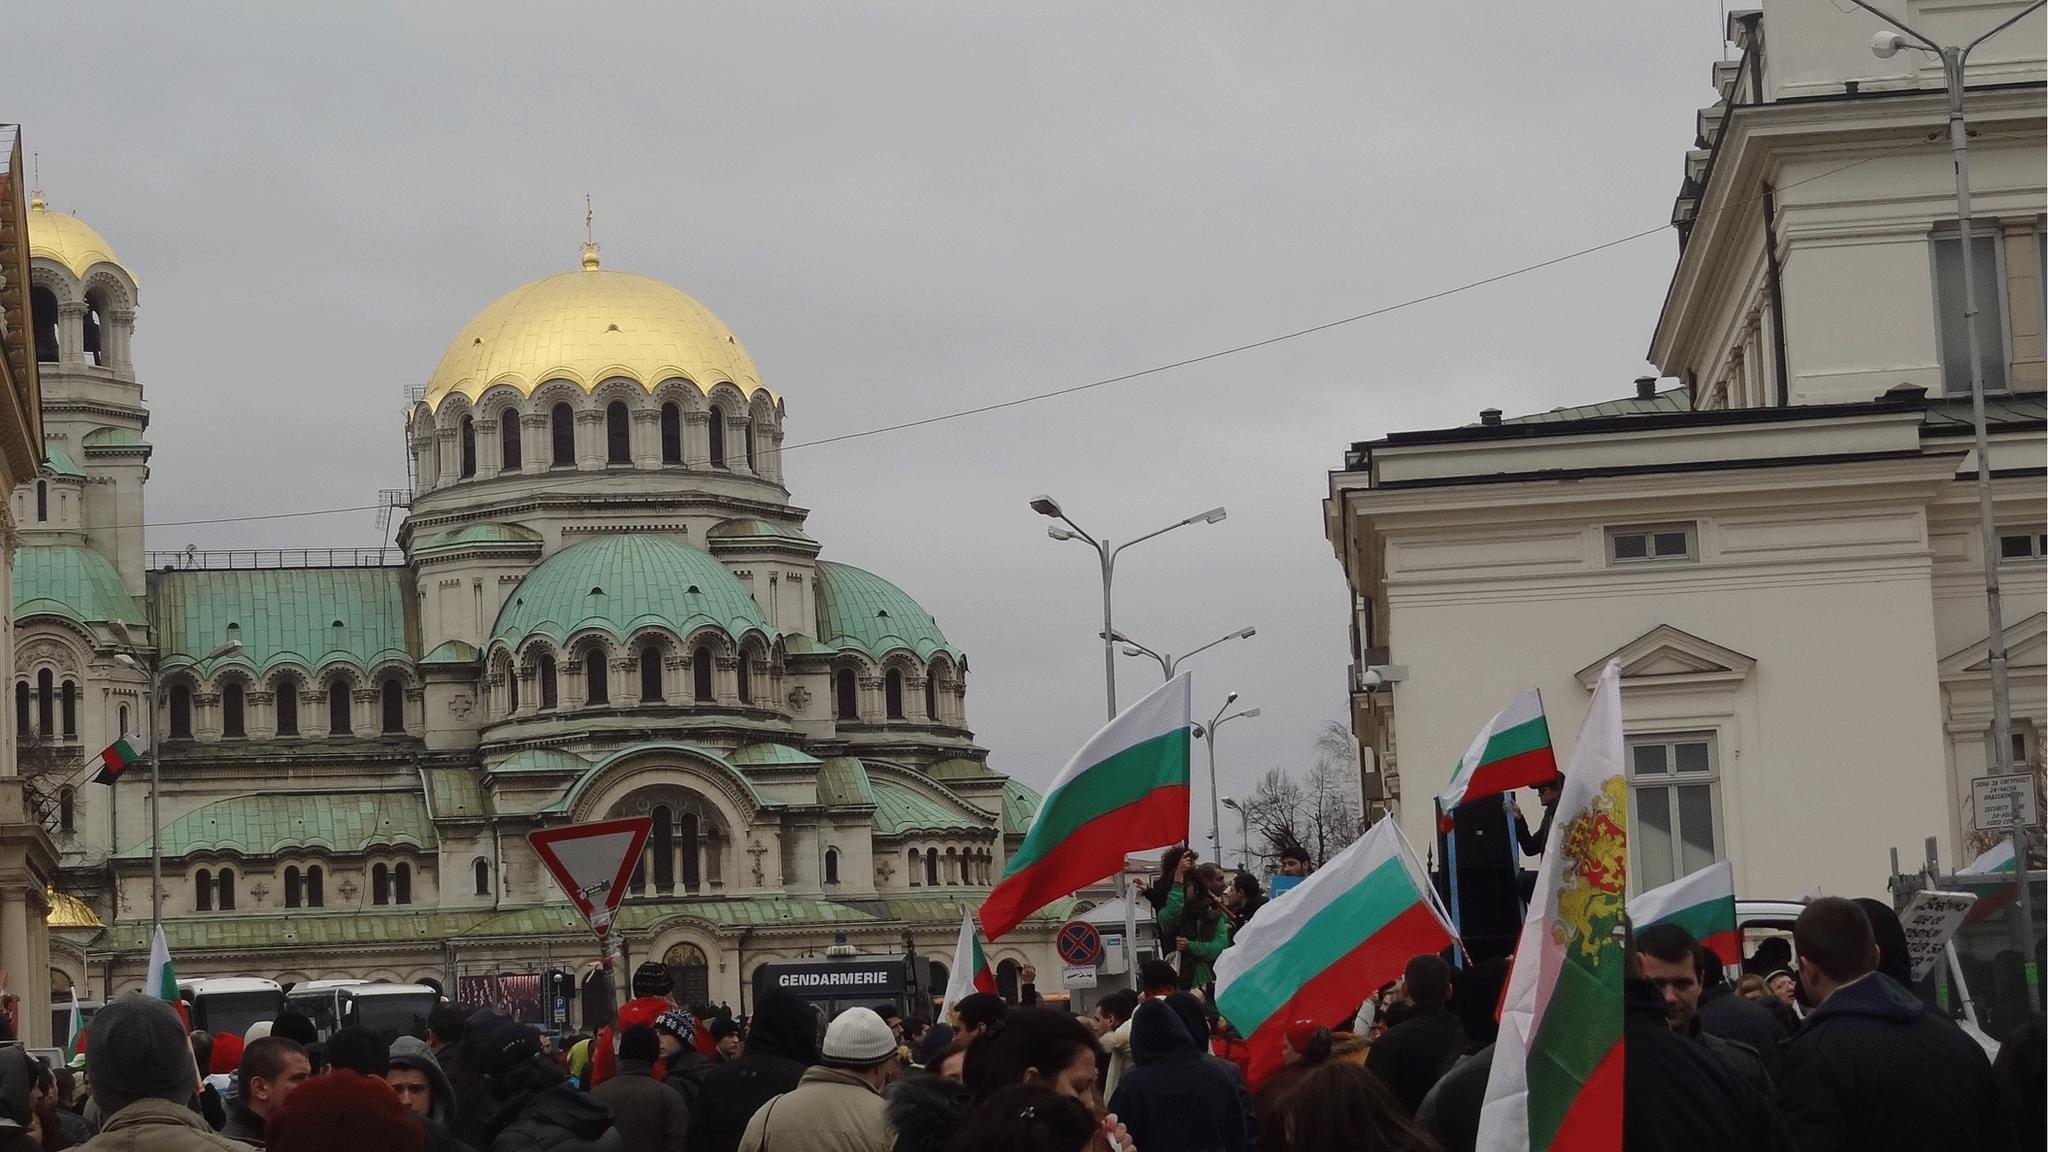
(2026,645)
(1667,656)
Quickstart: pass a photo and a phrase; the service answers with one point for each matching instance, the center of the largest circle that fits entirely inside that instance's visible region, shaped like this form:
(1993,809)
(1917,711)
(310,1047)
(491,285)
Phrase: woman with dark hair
(1174,864)
(1027,1118)
(1340,1107)
(1040,1046)
(1194,920)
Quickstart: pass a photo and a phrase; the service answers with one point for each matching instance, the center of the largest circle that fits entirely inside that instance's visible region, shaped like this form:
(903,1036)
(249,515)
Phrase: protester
(1192,918)
(976,1013)
(836,1106)
(143,1081)
(1027,1118)
(1450,1112)
(652,978)
(782,1040)
(1176,1096)
(459,1059)
(1113,1030)
(1159,978)
(72,1125)
(725,1038)
(360,1050)
(1341,1107)
(345,1111)
(1785,986)
(444,1031)
(1677,1095)
(225,1057)
(419,1081)
(1295,860)
(1304,1047)
(950,1062)
(914,1029)
(675,1034)
(1872,1068)
(1174,864)
(1669,958)
(1751,987)
(1547,794)
(17,1111)
(2021,1069)
(1414,1053)
(1042,1045)
(926,1107)
(534,1108)
(272,1068)
(650,1116)
(1246,897)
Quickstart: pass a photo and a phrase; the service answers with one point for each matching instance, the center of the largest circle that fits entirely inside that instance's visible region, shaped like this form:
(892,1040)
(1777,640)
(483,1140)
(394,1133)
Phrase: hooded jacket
(412,1052)
(556,1119)
(782,1040)
(926,1109)
(1412,1056)
(650,1115)
(1178,1097)
(1728,1015)
(17,1079)
(1872,1069)
(685,1072)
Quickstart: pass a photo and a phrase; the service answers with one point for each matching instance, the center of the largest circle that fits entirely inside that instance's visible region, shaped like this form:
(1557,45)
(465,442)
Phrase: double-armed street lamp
(1208,732)
(1169,664)
(1244,858)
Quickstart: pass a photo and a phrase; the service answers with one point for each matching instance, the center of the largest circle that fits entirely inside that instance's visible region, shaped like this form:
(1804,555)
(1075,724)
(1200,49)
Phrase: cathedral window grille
(717,429)
(123,721)
(931,867)
(93,344)
(671,434)
(511,690)
(339,722)
(288,708)
(224,890)
(394,705)
(750,434)
(45,704)
(544,669)
(291,887)
(701,669)
(508,440)
(562,436)
(663,848)
(42,308)
(746,684)
(23,728)
(931,697)
(181,713)
(691,837)
(831,865)
(231,711)
(892,693)
(42,501)
(316,897)
(482,868)
(401,883)
(380,884)
(618,439)
(650,675)
(596,684)
(846,694)
(468,447)
(67,809)
(202,891)
(67,708)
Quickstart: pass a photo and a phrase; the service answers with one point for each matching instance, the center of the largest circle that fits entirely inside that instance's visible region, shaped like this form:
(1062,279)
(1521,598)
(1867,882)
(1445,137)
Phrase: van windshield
(219,1012)
(398,1015)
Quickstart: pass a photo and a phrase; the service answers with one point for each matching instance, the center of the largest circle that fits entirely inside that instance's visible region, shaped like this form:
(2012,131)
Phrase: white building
(1783,550)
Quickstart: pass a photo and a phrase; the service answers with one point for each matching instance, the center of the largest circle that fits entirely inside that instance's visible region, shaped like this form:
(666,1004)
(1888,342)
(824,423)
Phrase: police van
(836,983)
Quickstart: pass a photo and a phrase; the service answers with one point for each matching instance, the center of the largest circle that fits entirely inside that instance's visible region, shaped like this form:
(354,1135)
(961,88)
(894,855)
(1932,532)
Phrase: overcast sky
(903,209)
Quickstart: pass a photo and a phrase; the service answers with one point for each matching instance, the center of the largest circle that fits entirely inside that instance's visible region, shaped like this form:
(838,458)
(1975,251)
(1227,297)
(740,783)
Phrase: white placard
(1079,976)
(1930,919)
(2004,800)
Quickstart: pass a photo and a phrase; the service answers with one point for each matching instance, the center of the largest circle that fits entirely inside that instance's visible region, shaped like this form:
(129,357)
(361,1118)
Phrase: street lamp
(1168,664)
(1047,506)
(1208,733)
(150,666)
(1244,859)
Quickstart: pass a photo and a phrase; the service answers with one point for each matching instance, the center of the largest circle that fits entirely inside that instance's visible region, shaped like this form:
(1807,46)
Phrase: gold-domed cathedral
(603,603)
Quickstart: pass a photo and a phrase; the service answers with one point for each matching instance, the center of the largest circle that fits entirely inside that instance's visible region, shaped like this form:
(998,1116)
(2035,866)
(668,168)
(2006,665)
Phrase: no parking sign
(1079,944)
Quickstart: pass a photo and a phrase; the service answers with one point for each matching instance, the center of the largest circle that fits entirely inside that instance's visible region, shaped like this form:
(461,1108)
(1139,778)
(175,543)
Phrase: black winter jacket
(1413,1055)
(926,1109)
(1681,1097)
(686,1071)
(1175,1097)
(557,1119)
(782,1040)
(1873,1070)
(1730,1016)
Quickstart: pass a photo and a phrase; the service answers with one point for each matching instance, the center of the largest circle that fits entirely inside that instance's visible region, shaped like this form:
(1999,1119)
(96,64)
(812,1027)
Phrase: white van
(391,1010)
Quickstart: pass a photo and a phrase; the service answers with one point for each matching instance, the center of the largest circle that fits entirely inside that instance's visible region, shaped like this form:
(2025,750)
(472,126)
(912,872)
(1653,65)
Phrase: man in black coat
(1177,1097)
(1724,1013)
(782,1041)
(1872,1069)
(1669,958)
(1680,1097)
(1412,1055)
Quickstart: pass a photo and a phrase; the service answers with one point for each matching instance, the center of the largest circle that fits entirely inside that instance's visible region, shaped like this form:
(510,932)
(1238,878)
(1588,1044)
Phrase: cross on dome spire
(35,193)
(589,237)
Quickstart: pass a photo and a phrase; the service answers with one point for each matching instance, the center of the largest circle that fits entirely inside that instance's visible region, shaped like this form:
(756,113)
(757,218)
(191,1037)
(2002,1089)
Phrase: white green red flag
(1555,1083)
(1702,904)
(1511,751)
(1347,929)
(115,758)
(1125,791)
(162,981)
(970,973)
(1999,859)
(76,1026)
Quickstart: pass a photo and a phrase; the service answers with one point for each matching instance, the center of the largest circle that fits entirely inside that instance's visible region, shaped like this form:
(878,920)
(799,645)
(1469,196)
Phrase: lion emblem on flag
(1590,898)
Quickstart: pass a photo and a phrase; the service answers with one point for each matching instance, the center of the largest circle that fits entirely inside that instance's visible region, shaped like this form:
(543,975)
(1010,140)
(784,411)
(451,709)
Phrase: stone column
(646,425)
(489,450)
(696,441)
(71,331)
(116,332)
(872,708)
(449,452)
(590,441)
(725,682)
(537,450)
(738,435)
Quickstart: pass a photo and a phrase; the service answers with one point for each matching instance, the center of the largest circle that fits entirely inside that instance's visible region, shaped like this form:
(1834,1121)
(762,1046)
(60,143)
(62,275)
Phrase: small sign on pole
(2005,800)
(1930,919)
(1079,976)
(592,862)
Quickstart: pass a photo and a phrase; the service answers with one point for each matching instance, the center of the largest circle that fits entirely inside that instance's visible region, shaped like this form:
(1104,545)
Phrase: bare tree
(48,771)
(1319,814)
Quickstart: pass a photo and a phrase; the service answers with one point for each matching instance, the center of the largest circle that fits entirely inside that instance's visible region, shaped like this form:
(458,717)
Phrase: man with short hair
(1872,1069)
(893,1017)
(1113,1026)
(1670,959)
(1412,1055)
(1159,978)
(1547,794)
(675,1034)
(975,1013)
(726,1038)
(359,1050)
(143,1081)
(650,1116)
(271,1067)
(444,1029)
(1294,860)
(837,1106)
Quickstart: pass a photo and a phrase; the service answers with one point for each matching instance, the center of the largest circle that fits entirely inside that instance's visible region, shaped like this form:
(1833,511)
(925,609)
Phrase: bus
(222,1004)
(390,1010)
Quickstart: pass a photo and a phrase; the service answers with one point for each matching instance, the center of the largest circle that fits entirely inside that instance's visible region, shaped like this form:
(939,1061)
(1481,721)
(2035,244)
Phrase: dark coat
(686,1071)
(245,1126)
(926,1109)
(1412,1055)
(2020,1069)
(557,1119)
(1739,1058)
(1873,1069)
(650,1115)
(1681,1097)
(1176,1097)
(782,1040)
(1451,1110)
(1730,1016)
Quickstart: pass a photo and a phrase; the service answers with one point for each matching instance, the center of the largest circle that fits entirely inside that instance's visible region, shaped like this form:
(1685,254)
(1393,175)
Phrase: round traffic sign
(1079,943)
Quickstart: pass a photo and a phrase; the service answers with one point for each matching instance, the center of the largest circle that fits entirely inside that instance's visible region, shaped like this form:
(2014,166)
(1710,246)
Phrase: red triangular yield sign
(592,863)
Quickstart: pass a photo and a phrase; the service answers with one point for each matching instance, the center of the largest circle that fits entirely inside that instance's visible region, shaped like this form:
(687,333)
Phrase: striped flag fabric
(1555,1082)
(76,1026)
(1511,751)
(1999,859)
(1125,791)
(162,980)
(1703,904)
(115,758)
(970,973)
(1341,933)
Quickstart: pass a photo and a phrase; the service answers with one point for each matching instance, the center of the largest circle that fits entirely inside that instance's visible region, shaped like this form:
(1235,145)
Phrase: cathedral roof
(60,462)
(311,617)
(619,584)
(860,610)
(67,240)
(266,824)
(590,326)
(77,584)
(843,783)
(901,810)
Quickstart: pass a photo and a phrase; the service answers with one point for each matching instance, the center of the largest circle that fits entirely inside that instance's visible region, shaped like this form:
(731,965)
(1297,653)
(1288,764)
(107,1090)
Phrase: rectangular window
(2017,545)
(1988,270)
(1674,829)
(1643,543)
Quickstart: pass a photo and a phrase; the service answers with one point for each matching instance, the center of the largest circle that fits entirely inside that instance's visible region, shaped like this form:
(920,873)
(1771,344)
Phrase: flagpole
(1451,875)
(1131,927)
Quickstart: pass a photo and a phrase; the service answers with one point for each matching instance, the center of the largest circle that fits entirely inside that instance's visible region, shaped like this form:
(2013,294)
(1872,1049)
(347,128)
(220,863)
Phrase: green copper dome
(619,584)
(77,584)
(860,610)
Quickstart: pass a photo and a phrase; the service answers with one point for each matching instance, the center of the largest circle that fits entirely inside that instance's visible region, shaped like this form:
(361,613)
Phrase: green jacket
(1200,966)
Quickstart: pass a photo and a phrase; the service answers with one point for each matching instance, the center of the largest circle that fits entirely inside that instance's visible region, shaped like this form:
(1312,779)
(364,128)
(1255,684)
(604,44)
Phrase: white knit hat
(858,1038)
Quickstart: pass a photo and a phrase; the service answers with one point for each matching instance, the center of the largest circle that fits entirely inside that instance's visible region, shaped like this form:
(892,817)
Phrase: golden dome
(66,239)
(590,326)
(70,911)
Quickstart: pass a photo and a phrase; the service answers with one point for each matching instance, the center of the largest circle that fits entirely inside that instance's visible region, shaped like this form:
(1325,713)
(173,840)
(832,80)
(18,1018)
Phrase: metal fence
(195,559)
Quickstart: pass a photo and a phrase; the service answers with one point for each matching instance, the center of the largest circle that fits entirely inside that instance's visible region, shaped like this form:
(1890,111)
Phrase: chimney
(1646,387)
(1489,417)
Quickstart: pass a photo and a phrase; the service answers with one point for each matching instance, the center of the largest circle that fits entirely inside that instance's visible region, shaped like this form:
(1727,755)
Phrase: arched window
(544,668)
(482,869)
(181,713)
(23,728)
(42,501)
(931,867)
(717,427)
(91,330)
(700,668)
(650,675)
(338,720)
(916,866)
(46,704)
(892,693)
(67,808)
(751,435)
(512,688)
(291,886)
(509,452)
(288,708)
(661,848)
(394,705)
(831,865)
(671,434)
(931,696)
(562,436)
(380,884)
(618,437)
(67,708)
(316,897)
(690,835)
(231,710)
(746,680)
(596,686)
(202,891)
(224,890)
(940,974)
(468,447)
(401,883)
(122,712)
(846,694)
(42,316)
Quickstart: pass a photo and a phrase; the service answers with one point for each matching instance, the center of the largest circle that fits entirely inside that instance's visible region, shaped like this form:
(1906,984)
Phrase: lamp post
(1208,733)
(1168,664)
(1049,507)
(1244,857)
(1885,45)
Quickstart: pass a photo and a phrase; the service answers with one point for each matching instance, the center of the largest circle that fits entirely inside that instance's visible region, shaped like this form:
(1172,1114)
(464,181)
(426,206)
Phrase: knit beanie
(858,1038)
(653,979)
(342,1111)
(138,1052)
(639,1043)
(227,1054)
(678,1024)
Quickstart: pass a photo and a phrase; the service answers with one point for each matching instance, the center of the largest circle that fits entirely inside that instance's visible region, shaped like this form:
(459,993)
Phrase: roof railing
(194,559)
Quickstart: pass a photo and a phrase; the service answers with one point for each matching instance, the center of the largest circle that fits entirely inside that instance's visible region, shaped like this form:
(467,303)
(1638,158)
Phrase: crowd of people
(1854,1061)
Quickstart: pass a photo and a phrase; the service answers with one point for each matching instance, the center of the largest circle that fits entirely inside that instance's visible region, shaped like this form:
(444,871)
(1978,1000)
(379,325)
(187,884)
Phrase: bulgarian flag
(116,758)
(1347,929)
(1999,864)
(162,981)
(1999,859)
(971,972)
(1512,751)
(76,1027)
(1557,1067)
(1125,791)
(1702,904)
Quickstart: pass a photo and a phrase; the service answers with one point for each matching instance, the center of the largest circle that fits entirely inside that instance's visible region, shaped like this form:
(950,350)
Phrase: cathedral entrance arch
(690,969)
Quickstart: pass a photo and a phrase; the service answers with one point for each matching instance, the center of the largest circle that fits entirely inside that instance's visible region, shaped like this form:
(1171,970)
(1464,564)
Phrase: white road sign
(2004,800)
